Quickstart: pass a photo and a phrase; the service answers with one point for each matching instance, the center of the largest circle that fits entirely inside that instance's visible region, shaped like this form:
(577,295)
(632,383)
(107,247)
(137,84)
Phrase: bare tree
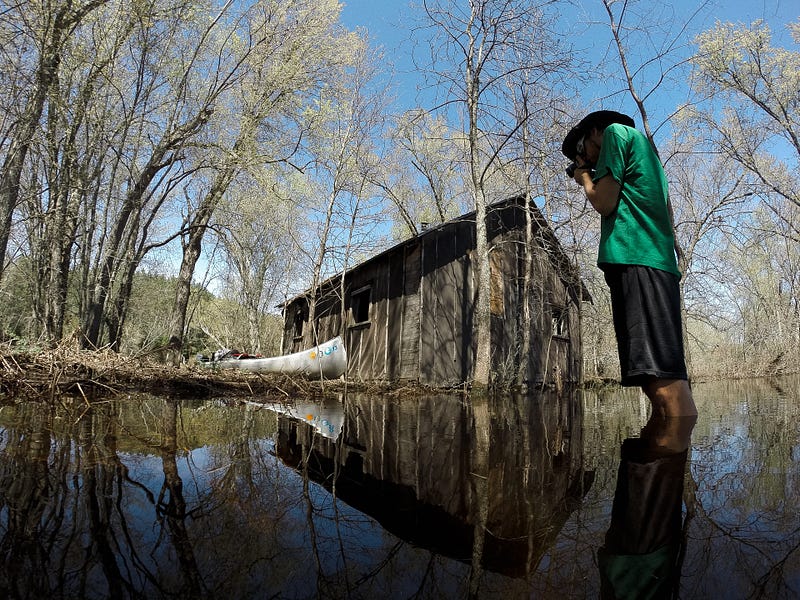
(67,167)
(754,145)
(650,56)
(254,226)
(657,60)
(50,27)
(474,47)
(113,136)
(759,84)
(340,150)
(711,199)
(421,171)
(286,64)
(156,163)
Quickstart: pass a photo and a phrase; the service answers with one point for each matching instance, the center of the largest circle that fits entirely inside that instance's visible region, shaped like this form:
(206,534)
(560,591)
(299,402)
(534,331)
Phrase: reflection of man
(622,177)
(640,556)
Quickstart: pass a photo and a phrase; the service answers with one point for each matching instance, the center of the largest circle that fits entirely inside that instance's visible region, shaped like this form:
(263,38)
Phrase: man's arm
(603,194)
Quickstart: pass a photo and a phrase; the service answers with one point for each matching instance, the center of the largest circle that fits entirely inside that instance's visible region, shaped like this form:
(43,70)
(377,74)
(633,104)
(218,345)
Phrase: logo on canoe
(323,352)
(324,425)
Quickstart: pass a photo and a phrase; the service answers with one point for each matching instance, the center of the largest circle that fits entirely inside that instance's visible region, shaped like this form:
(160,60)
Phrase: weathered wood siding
(408,305)
(446,299)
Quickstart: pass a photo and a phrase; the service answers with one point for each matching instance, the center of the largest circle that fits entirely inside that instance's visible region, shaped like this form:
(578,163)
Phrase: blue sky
(390,23)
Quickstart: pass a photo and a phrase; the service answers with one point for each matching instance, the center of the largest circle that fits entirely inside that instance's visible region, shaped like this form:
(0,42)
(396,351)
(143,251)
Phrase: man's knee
(671,397)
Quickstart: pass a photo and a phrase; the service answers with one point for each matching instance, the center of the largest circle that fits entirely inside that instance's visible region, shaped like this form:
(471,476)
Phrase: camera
(571,169)
(573,166)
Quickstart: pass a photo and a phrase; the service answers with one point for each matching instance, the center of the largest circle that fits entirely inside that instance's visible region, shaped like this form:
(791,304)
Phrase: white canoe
(328,361)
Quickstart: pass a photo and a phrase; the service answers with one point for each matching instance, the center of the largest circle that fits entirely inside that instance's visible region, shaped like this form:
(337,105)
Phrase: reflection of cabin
(408,311)
(429,469)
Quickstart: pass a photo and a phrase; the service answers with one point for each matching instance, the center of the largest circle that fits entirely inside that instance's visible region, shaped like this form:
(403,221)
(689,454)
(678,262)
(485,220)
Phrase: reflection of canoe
(325,416)
(328,360)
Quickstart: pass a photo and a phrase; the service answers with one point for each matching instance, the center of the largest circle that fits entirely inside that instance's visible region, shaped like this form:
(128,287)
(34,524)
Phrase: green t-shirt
(638,231)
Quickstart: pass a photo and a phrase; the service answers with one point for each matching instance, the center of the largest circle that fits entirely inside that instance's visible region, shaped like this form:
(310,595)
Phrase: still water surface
(391,497)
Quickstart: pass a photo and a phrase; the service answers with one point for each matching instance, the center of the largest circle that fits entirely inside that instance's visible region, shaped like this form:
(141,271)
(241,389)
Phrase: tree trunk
(183,287)
(311,336)
(172,506)
(24,135)
(481,269)
(56,296)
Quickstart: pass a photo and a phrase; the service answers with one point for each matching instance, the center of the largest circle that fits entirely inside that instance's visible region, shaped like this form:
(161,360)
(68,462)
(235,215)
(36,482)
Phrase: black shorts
(647,321)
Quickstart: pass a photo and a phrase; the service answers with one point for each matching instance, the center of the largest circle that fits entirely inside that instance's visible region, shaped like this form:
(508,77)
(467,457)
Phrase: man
(625,182)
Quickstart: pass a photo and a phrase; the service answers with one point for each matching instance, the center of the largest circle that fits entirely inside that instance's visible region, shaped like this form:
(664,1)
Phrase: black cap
(600,119)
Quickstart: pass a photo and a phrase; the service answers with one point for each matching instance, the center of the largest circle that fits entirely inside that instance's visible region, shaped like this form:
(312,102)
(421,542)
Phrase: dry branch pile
(102,373)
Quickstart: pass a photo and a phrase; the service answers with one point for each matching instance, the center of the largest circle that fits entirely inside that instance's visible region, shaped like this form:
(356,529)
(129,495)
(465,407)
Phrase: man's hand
(603,194)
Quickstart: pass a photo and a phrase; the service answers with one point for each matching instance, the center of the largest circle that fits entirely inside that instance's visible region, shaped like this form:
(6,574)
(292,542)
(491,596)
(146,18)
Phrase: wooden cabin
(407,313)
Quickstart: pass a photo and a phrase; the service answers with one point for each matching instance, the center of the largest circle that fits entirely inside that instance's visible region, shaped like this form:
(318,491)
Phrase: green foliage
(15,308)
(149,316)
(224,324)
(213,322)
(757,85)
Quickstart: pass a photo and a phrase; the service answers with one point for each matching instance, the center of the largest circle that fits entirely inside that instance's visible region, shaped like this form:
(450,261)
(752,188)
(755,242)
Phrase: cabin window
(359,304)
(299,320)
(559,316)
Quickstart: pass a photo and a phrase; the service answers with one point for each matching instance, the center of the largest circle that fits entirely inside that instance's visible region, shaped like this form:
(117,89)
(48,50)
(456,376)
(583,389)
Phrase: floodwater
(370,496)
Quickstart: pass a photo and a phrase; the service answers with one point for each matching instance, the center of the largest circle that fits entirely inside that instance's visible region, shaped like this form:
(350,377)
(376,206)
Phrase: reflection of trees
(328,531)
(26,499)
(238,479)
(537,474)
(59,488)
(61,482)
(743,523)
(744,484)
(101,472)
(760,548)
(479,476)
(69,508)
(171,505)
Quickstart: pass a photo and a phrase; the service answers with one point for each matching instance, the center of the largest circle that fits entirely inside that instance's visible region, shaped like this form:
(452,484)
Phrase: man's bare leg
(670,397)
